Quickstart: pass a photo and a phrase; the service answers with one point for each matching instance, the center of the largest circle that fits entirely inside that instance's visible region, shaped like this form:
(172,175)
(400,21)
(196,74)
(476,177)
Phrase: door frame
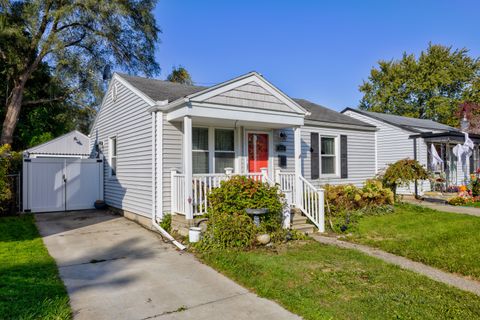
(270,149)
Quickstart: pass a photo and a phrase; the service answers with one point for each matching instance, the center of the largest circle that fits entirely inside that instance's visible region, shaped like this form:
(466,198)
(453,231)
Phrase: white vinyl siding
(126,119)
(361,154)
(172,157)
(393,144)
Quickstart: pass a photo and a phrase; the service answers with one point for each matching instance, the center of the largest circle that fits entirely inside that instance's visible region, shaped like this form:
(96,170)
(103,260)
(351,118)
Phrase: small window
(224,150)
(113,156)
(200,150)
(328,157)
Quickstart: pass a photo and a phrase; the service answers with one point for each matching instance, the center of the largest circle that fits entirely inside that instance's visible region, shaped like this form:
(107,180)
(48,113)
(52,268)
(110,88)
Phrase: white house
(404,137)
(167,144)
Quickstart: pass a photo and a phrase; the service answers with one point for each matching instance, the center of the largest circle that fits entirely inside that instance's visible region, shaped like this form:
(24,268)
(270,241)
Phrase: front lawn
(324,282)
(448,241)
(30,287)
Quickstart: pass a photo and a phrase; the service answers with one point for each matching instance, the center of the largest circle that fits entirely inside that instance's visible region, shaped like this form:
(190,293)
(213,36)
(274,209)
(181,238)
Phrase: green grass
(30,287)
(448,241)
(475,204)
(324,282)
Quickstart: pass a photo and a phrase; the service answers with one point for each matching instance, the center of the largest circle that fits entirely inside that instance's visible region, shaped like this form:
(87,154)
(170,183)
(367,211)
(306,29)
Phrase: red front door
(257,151)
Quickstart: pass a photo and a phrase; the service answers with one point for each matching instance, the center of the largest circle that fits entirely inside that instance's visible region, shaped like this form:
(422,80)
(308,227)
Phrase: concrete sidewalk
(446,207)
(115,269)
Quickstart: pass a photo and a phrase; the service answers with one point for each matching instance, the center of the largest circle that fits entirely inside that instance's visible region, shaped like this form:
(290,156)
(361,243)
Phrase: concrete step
(304,228)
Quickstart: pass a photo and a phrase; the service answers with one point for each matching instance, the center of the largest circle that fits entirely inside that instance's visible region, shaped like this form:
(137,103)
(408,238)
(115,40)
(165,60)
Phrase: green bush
(10,163)
(346,204)
(403,172)
(229,226)
(458,201)
(166,222)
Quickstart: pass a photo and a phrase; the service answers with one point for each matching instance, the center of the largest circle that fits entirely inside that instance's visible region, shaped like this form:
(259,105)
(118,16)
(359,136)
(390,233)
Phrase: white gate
(61,184)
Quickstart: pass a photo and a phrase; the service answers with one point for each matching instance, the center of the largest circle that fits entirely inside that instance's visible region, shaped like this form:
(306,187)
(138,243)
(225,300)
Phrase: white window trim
(211,147)
(336,138)
(110,156)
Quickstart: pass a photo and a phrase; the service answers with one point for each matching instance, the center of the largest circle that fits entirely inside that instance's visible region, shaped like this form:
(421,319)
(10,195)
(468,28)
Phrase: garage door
(61,184)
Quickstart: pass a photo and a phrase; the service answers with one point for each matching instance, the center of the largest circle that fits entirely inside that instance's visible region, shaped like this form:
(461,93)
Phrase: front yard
(322,282)
(30,287)
(444,240)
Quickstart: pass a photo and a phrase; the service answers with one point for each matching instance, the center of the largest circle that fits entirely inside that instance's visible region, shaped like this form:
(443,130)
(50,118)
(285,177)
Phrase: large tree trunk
(13,111)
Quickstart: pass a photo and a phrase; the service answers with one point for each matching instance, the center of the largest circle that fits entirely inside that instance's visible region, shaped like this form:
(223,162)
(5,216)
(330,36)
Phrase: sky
(316,50)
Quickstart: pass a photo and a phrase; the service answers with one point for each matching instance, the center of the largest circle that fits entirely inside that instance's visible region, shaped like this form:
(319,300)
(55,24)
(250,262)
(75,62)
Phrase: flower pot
(100,205)
(194,234)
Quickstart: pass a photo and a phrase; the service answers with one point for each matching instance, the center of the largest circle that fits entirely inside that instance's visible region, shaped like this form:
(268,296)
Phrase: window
(328,157)
(213,150)
(224,150)
(200,150)
(113,156)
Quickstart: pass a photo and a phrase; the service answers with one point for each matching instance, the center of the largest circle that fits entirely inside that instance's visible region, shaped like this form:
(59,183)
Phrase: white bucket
(194,234)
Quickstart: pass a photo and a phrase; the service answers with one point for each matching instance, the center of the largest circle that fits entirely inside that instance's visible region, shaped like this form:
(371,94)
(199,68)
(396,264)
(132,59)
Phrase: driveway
(115,269)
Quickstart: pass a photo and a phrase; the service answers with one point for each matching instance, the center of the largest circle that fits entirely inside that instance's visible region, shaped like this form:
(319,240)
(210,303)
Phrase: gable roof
(160,90)
(72,143)
(408,123)
(324,114)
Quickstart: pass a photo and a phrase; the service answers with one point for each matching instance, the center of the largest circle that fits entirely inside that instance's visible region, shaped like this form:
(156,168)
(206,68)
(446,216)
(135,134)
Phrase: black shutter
(315,162)
(343,157)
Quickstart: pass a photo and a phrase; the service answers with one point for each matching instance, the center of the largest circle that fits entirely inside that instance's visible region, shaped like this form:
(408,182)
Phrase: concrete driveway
(115,269)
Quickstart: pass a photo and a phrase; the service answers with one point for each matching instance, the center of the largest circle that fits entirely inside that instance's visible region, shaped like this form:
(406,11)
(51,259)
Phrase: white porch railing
(311,201)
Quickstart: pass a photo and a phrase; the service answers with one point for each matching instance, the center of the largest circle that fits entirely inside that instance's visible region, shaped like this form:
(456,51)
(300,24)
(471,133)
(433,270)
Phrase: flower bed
(468,195)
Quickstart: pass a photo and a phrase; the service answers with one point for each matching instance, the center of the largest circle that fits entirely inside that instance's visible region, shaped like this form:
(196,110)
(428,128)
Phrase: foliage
(229,226)
(347,204)
(445,240)
(458,201)
(317,281)
(10,163)
(180,75)
(474,184)
(166,222)
(430,86)
(31,286)
(471,111)
(342,198)
(403,172)
(76,41)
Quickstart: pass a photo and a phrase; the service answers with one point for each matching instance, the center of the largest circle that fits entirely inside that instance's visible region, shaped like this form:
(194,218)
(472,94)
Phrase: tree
(471,111)
(180,75)
(430,87)
(76,40)
(402,173)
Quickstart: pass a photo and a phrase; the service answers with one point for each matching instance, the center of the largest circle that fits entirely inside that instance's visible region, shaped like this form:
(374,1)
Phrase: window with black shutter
(315,160)
(343,157)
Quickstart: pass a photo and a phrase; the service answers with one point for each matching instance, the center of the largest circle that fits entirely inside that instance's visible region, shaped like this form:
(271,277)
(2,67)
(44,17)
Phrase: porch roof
(446,137)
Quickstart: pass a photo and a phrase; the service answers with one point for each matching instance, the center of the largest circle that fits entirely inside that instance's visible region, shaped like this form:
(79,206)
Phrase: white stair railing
(312,203)
(178,192)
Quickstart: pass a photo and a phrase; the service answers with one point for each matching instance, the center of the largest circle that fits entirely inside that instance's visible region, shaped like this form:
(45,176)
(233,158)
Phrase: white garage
(59,176)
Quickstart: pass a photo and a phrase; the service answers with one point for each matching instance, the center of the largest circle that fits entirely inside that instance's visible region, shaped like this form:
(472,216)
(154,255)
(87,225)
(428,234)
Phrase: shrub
(229,226)
(459,200)
(348,197)
(10,163)
(347,203)
(403,172)
(166,222)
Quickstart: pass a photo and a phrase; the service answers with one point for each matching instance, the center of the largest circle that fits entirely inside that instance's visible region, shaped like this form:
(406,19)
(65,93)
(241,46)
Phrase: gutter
(162,231)
(165,105)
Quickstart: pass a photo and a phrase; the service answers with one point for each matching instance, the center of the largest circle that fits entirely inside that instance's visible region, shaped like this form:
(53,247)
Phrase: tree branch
(41,101)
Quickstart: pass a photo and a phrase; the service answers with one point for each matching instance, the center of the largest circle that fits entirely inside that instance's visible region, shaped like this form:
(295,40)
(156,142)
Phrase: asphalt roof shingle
(159,90)
(324,114)
(407,122)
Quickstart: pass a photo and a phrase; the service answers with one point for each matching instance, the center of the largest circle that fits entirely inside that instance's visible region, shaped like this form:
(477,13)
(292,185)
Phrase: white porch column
(187,165)
(298,164)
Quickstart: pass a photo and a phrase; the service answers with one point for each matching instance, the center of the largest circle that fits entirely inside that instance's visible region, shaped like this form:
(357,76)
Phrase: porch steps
(300,223)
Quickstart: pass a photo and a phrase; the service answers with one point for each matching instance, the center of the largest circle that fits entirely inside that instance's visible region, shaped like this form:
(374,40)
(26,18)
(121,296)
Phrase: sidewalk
(446,207)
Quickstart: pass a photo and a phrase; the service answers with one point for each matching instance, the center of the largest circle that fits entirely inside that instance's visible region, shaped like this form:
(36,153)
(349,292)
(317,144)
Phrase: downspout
(162,231)
(415,158)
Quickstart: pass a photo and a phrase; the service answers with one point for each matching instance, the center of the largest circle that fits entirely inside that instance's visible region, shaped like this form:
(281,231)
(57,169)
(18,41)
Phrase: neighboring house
(403,137)
(73,144)
(167,144)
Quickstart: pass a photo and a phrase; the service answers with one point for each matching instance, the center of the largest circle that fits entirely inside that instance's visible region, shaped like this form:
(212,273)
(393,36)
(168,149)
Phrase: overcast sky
(318,50)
